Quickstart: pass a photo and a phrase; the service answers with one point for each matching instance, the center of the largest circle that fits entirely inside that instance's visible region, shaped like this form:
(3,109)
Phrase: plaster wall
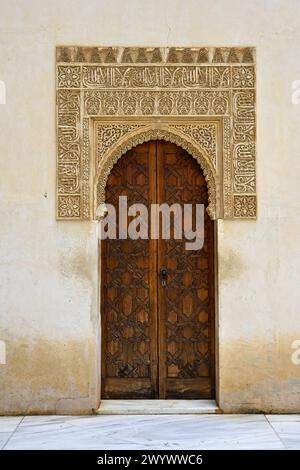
(49,270)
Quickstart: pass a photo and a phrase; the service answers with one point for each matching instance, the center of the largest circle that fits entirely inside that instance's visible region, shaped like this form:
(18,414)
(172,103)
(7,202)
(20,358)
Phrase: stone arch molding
(153,132)
(110,99)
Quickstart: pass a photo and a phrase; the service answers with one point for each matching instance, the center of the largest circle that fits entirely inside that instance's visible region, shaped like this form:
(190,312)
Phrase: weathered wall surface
(49,270)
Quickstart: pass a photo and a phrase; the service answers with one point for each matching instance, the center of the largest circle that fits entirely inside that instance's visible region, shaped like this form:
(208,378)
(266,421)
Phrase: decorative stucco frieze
(155,55)
(156,103)
(110,99)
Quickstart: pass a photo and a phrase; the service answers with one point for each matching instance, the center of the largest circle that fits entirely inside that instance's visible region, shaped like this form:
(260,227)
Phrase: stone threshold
(157,407)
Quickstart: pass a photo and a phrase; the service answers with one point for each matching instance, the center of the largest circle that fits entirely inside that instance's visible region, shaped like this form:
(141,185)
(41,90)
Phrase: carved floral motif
(69,206)
(69,76)
(244,206)
(243,77)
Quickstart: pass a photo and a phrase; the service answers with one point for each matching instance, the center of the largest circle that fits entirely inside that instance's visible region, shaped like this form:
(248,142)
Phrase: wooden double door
(157,297)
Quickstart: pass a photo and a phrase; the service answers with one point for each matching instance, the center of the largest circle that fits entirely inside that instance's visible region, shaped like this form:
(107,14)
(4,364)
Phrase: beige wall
(48,277)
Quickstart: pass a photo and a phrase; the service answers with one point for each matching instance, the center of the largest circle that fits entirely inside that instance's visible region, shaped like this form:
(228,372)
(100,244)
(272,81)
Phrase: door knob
(164,275)
(164,272)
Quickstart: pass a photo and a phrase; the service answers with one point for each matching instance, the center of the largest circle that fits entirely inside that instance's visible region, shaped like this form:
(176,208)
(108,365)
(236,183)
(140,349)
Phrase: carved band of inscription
(244,142)
(184,77)
(68,155)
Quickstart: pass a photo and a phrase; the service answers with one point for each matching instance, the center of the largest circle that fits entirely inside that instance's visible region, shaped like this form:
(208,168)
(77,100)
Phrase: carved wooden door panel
(129,288)
(185,303)
(157,330)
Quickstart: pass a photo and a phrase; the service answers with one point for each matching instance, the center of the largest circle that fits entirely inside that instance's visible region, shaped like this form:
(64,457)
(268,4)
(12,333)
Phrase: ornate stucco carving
(110,99)
(170,134)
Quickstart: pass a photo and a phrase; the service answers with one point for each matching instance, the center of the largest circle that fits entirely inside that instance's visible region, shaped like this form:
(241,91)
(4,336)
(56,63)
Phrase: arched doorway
(157,298)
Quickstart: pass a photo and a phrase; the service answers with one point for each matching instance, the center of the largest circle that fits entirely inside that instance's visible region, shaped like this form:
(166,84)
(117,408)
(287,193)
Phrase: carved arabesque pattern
(156,103)
(169,83)
(145,135)
(108,135)
(205,135)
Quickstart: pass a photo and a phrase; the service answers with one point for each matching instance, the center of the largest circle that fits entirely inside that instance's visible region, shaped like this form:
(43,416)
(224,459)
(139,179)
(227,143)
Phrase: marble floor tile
(9,423)
(4,436)
(43,423)
(295,418)
(146,432)
(287,428)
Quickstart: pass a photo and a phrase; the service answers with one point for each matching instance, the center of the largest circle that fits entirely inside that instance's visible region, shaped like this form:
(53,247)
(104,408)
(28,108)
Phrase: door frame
(215,337)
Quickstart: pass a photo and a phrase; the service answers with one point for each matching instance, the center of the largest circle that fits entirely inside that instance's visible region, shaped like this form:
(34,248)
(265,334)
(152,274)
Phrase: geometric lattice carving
(187,299)
(203,98)
(126,274)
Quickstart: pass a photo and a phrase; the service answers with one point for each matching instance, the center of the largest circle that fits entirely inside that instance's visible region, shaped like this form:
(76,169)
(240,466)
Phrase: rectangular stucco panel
(143,93)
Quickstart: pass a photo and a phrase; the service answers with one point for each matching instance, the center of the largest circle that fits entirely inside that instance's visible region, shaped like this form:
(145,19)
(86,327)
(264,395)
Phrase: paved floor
(151,432)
